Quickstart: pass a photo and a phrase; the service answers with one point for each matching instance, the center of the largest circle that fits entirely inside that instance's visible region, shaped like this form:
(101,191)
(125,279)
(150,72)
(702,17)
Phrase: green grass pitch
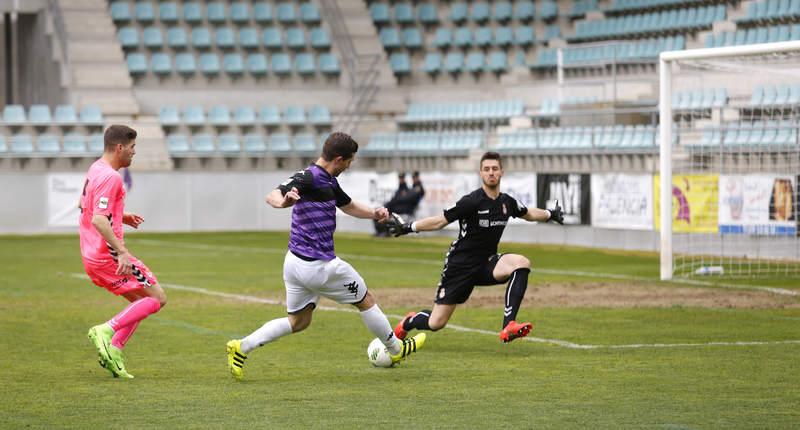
(666,366)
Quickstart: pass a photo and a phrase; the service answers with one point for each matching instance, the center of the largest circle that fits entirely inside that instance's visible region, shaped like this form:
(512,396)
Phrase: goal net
(730,178)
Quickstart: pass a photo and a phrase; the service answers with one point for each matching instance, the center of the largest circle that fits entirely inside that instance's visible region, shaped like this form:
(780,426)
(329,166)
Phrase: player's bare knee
(436,324)
(520,262)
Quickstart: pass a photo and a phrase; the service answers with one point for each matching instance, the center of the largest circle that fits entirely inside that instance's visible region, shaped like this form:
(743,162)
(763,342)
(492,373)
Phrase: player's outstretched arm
(360,210)
(278,200)
(398,227)
(544,215)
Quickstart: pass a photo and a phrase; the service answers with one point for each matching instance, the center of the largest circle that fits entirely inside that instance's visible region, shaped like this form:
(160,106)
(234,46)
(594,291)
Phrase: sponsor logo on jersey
(103,203)
(483,212)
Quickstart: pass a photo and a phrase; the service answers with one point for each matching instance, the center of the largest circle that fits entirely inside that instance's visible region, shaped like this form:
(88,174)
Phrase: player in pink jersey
(105,257)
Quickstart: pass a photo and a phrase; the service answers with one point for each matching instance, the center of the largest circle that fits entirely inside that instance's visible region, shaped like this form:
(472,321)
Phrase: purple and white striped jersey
(314,215)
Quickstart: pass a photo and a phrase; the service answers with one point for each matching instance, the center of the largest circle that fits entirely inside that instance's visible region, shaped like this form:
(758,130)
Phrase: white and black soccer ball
(377,354)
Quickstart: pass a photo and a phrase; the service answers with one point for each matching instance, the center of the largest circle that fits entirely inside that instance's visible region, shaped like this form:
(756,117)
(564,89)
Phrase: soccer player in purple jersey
(311,268)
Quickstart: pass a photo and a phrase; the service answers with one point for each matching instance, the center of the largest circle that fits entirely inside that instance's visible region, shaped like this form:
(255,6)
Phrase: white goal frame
(666,59)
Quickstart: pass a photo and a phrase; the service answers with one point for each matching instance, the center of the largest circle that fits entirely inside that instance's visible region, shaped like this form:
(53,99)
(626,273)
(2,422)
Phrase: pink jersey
(104,195)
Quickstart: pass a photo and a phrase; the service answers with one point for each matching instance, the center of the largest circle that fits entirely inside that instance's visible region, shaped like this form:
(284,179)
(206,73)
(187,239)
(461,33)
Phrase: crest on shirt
(103,203)
(504,209)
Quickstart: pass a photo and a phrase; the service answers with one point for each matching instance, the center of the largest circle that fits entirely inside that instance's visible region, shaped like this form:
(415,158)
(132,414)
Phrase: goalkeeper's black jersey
(481,223)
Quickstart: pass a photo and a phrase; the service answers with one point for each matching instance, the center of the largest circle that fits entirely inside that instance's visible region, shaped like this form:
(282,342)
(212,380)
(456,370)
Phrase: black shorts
(457,281)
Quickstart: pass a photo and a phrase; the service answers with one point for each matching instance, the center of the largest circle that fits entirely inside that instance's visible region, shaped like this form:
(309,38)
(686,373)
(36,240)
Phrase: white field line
(558,342)
(282,251)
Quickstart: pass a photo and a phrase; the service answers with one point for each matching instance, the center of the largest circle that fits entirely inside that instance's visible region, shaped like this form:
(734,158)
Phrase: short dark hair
(491,156)
(339,144)
(118,134)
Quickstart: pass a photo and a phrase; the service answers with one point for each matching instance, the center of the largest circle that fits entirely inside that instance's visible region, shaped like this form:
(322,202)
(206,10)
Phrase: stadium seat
(244,115)
(233,64)
(281,64)
(229,143)
(128,37)
(503,36)
(91,116)
(161,63)
(14,115)
(390,37)
(403,13)
(176,38)
(497,62)
(215,12)
(201,38)
(304,64)
(22,143)
(454,62)
(483,36)
(153,38)
(257,64)
(304,142)
(120,11)
(459,12)
(524,36)
(480,11)
(309,13)
(279,142)
(203,143)
(169,116)
(219,115)
(475,62)
(47,144)
(294,115)
(254,143)
(296,38)
(194,116)
(269,115)
(225,38)
(462,37)
(145,13)
(74,143)
(96,143)
(168,12)
(192,12)
(412,38)
(272,37)
(427,13)
(65,115)
(177,143)
(400,63)
(320,38)
(262,12)
(209,64)
(524,10)
(329,64)
(248,38)
(185,64)
(287,13)
(502,11)
(240,12)
(39,115)
(443,37)
(137,63)
(433,63)
(379,13)
(319,115)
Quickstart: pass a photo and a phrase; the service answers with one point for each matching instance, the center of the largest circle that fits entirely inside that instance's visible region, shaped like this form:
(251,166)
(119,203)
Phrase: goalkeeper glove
(397,226)
(556,214)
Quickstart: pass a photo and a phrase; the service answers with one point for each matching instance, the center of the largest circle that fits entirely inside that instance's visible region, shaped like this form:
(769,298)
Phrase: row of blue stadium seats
(223,38)
(771,11)
(253,143)
(428,13)
(186,64)
(780,33)
(64,115)
(221,115)
(582,7)
(453,62)
(671,20)
(47,144)
(775,95)
(751,133)
(422,112)
(215,12)
(629,5)
(462,37)
(700,99)
(622,52)
(617,137)
(422,141)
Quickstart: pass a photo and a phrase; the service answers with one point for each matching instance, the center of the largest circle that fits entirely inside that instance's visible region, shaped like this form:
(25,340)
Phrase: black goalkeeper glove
(556,214)
(397,226)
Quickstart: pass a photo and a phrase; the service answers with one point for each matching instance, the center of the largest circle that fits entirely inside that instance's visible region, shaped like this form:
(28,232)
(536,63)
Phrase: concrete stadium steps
(151,151)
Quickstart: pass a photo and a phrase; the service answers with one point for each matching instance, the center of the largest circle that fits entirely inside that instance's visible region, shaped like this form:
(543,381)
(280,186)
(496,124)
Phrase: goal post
(747,138)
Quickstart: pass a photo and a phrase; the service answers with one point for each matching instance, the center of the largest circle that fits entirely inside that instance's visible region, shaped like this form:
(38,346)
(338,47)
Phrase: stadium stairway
(99,75)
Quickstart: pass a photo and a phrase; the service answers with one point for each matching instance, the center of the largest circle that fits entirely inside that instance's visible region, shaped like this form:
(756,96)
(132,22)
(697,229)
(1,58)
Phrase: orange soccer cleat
(398,329)
(514,330)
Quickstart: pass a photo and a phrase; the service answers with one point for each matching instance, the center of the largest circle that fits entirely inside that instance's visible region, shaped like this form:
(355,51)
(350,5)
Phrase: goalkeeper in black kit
(472,258)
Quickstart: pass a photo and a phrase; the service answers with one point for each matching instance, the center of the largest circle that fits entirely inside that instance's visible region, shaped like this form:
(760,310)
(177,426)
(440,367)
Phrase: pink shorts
(105,275)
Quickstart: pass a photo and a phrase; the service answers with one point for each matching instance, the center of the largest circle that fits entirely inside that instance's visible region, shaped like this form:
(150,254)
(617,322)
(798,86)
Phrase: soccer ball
(378,355)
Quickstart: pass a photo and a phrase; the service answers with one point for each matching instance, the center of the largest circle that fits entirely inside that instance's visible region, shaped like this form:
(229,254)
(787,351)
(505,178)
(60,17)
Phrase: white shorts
(306,281)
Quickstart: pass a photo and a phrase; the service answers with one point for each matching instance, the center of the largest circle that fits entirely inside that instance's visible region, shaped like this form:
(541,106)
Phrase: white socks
(377,323)
(267,333)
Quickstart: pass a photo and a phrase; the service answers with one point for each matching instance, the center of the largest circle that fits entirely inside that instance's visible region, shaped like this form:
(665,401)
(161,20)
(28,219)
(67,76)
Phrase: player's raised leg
(515,268)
